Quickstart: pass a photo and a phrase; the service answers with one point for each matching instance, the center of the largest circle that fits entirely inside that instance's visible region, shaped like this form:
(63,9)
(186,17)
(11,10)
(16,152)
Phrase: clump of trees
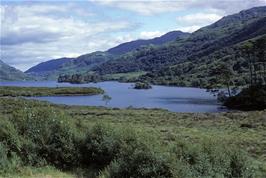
(251,98)
(256,57)
(254,96)
(222,76)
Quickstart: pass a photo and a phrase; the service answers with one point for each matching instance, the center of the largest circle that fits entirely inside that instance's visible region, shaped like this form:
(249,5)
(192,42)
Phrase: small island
(48,91)
(142,85)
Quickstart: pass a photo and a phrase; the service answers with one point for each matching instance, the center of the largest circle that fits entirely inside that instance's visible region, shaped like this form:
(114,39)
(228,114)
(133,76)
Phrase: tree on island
(142,85)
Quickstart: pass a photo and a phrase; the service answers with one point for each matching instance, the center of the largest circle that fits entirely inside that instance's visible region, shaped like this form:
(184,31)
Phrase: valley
(117,99)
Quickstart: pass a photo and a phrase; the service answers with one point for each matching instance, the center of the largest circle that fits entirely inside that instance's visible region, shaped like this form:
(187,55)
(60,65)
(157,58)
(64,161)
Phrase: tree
(106,98)
(247,52)
(259,49)
(222,74)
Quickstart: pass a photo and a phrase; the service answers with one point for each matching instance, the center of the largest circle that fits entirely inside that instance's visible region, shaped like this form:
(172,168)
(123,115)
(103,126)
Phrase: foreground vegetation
(77,141)
(48,91)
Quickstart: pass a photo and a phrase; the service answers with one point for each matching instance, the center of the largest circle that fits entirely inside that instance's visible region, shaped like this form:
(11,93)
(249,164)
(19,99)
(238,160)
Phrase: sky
(36,31)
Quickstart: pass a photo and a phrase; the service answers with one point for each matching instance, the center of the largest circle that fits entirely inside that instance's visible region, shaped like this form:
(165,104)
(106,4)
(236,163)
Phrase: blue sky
(37,31)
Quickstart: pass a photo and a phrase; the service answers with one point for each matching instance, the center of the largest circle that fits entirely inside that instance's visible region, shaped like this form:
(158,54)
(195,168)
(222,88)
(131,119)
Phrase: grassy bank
(48,91)
(95,141)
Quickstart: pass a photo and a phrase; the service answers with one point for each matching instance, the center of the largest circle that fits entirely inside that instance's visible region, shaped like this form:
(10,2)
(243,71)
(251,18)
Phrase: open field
(158,130)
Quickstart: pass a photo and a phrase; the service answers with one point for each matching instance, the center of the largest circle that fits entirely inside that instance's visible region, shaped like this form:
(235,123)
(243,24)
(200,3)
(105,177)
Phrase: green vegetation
(80,78)
(199,73)
(101,142)
(47,91)
(254,96)
(142,85)
(94,77)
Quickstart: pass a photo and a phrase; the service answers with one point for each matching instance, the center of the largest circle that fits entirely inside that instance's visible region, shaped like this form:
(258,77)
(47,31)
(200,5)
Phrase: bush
(138,159)
(49,137)
(9,135)
(213,159)
(101,146)
(140,163)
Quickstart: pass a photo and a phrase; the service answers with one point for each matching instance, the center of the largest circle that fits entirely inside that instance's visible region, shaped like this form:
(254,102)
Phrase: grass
(244,130)
(47,91)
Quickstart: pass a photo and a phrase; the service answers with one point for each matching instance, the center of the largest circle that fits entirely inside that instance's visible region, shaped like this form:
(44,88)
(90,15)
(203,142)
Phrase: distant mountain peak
(132,45)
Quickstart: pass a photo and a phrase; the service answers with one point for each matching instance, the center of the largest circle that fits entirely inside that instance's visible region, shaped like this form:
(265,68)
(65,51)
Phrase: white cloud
(150,34)
(189,29)
(198,19)
(153,7)
(193,22)
(35,33)
(144,7)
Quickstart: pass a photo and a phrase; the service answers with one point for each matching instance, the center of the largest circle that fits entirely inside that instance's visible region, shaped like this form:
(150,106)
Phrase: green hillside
(179,62)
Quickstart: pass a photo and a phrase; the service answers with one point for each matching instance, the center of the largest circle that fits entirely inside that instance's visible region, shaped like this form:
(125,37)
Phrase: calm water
(177,99)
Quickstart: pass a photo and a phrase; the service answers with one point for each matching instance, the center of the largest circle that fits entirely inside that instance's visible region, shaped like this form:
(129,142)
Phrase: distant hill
(132,45)
(8,73)
(50,70)
(51,65)
(222,35)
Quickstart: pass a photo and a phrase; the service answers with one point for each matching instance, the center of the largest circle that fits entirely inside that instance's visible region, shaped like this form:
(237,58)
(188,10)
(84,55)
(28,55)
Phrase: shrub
(213,159)
(49,137)
(9,135)
(101,146)
(139,161)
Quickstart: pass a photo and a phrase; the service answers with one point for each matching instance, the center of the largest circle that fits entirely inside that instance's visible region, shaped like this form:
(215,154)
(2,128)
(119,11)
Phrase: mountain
(8,73)
(175,58)
(51,65)
(132,45)
(51,69)
(202,47)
